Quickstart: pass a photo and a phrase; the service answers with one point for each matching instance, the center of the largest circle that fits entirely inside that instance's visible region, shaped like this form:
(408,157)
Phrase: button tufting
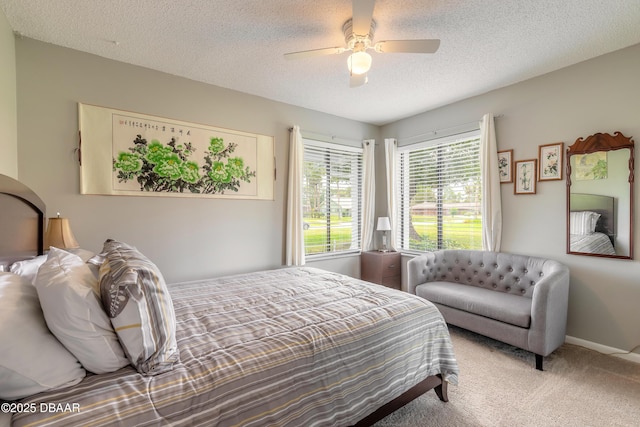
(469,263)
(533,283)
(482,264)
(494,285)
(501,277)
(508,288)
(522,291)
(541,274)
(510,269)
(526,271)
(517,279)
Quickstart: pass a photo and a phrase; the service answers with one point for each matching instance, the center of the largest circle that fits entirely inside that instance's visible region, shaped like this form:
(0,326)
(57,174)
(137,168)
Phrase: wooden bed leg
(441,390)
(539,362)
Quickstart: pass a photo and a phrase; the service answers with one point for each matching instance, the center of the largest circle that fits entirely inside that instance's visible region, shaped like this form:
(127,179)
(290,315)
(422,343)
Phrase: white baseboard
(622,354)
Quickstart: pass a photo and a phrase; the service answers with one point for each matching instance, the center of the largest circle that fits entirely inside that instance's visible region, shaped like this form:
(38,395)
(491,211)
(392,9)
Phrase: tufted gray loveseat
(520,300)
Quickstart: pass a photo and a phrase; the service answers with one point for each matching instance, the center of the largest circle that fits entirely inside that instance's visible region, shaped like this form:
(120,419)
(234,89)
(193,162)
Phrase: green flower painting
(168,168)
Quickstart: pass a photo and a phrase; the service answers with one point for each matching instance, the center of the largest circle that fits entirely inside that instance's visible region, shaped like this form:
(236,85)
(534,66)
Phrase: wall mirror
(600,196)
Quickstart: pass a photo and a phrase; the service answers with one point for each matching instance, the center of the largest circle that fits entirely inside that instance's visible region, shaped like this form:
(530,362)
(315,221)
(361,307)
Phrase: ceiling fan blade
(314,52)
(362,16)
(356,80)
(408,46)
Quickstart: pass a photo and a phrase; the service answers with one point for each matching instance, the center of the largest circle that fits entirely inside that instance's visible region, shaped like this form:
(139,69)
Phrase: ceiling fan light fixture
(359,62)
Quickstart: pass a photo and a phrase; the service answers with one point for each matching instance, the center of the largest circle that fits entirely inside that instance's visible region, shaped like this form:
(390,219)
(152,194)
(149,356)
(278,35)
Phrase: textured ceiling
(485,44)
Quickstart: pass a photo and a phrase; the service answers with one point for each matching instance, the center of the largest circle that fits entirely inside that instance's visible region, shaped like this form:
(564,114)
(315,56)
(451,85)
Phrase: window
(439,191)
(332,197)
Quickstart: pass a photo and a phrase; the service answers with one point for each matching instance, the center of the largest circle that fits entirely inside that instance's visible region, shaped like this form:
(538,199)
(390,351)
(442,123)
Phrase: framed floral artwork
(550,161)
(505,166)
(525,179)
(133,154)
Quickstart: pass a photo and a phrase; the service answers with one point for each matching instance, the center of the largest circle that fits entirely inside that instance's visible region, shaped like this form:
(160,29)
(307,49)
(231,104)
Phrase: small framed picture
(505,166)
(591,166)
(550,161)
(525,179)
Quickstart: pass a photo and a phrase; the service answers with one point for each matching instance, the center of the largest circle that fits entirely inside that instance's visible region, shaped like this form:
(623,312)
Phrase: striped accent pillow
(583,222)
(136,299)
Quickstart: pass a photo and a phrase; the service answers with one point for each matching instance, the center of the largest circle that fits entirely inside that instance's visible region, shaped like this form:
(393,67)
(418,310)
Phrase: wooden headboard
(22,216)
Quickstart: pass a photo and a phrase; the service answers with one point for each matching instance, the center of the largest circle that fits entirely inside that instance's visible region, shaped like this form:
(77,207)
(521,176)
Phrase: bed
(592,224)
(289,346)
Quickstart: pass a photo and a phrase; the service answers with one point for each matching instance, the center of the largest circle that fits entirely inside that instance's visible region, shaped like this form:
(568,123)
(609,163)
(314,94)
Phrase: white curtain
(295,236)
(491,202)
(391,149)
(368,194)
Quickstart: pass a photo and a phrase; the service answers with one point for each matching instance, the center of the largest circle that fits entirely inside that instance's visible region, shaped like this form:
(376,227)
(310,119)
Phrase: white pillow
(32,360)
(69,297)
(583,222)
(28,268)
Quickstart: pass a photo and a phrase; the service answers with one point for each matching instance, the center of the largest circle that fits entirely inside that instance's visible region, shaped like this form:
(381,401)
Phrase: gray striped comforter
(287,347)
(595,243)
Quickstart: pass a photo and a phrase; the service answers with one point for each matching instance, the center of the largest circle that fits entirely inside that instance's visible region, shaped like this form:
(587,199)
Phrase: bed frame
(22,216)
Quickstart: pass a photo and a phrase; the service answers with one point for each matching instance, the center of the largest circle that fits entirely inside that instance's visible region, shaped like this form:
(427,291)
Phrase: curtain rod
(334,138)
(437,131)
(327,138)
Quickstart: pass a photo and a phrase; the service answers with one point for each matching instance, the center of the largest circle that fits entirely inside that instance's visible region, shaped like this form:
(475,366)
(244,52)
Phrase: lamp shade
(359,62)
(59,234)
(383,224)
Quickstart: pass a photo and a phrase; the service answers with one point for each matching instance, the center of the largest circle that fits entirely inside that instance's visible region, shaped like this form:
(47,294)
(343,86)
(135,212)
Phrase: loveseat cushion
(501,306)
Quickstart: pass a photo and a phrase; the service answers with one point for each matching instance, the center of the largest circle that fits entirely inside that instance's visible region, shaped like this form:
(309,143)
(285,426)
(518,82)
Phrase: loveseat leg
(539,362)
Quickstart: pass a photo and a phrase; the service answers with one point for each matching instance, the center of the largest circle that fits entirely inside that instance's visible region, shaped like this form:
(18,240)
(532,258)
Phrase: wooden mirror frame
(592,144)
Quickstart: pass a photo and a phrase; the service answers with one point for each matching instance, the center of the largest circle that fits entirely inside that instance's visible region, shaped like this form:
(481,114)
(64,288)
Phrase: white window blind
(332,197)
(440,194)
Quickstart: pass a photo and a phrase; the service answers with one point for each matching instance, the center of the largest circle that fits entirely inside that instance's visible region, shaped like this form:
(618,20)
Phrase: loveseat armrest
(418,271)
(549,307)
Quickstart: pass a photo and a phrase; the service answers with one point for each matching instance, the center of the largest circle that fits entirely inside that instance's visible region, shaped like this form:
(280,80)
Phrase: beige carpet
(499,386)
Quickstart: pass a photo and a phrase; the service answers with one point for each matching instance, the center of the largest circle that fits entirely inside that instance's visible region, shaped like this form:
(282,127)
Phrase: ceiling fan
(358,34)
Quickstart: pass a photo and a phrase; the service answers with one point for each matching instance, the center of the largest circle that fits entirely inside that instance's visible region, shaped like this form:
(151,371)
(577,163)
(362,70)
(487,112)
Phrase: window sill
(332,255)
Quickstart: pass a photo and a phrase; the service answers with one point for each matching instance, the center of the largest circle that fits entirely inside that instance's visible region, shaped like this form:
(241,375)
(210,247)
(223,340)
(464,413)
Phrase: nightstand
(382,268)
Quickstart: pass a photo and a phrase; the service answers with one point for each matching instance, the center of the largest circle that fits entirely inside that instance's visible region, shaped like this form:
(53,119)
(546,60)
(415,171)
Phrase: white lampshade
(59,234)
(359,62)
(383,224)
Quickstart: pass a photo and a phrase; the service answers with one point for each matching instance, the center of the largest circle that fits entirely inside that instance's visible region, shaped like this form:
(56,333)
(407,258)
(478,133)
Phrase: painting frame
(505,166)
(126,153)
(551,161)
(526,172)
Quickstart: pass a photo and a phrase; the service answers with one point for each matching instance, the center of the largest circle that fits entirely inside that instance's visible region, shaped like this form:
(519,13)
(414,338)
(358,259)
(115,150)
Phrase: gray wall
(600,95)
(8,107)
(194,238)
(187,238)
